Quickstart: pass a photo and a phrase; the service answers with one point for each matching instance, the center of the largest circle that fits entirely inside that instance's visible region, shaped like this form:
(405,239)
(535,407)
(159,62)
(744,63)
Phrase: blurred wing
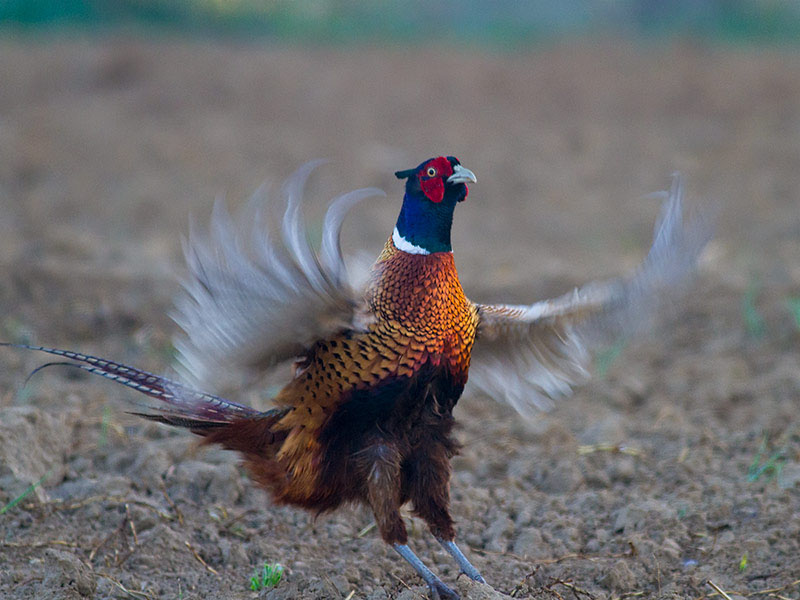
(255,297)
(528,355)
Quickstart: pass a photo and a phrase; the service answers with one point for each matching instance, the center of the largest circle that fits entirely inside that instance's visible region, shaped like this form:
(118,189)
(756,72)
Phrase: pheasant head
(432,191)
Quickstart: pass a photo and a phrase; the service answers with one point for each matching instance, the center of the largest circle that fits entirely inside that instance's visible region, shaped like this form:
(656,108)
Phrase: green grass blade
(25,494)
(793,302)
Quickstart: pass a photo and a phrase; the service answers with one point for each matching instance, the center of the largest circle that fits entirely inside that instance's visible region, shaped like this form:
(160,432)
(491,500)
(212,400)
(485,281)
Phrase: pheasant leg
(439,591)
(466,567)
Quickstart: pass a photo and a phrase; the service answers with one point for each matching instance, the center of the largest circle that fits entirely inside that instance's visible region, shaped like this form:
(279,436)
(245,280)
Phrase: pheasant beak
(462,175)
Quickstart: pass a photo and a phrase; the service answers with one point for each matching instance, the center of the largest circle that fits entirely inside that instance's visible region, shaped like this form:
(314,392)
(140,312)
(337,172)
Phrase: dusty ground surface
(678,464)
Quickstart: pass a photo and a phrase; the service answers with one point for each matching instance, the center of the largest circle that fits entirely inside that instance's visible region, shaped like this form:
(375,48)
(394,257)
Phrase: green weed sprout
(753,321)
(101,442)
(743,563)
(772,466)
(794,307)
(268,577)
(31,488)
(606,357)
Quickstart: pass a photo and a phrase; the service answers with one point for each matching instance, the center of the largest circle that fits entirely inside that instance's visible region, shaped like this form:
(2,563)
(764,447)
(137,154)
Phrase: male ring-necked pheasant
(367,415)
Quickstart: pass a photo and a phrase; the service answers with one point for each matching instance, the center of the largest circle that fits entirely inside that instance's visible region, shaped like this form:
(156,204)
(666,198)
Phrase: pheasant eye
(431,172)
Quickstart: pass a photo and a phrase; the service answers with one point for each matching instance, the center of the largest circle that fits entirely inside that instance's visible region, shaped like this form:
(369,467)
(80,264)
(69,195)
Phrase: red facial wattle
(433,189)
(433,186)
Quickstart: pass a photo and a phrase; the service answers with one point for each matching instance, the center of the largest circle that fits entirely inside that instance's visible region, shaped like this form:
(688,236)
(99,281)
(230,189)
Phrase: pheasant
(367,414)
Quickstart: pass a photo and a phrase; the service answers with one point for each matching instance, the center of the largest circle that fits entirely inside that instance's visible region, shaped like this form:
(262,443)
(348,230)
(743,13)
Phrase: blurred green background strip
(500,23)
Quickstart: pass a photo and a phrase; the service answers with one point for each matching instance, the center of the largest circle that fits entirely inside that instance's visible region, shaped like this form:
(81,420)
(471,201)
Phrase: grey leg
(466,566)
(439,591)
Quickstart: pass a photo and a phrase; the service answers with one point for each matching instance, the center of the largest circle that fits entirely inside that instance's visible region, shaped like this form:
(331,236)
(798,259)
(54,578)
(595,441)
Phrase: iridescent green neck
(423,227)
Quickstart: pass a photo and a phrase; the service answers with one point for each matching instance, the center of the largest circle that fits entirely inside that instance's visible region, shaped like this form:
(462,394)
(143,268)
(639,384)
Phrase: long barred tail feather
(229,434)
(186,407)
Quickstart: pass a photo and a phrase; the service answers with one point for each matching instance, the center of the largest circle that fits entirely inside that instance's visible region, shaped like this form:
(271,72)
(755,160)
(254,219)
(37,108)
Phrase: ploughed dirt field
(679,463)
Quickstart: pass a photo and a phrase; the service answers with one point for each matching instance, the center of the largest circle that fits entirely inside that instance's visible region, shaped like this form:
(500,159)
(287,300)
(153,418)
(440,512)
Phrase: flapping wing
(528,355)
(255,297)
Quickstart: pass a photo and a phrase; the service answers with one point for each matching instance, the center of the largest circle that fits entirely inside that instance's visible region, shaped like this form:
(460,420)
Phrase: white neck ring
(403,244)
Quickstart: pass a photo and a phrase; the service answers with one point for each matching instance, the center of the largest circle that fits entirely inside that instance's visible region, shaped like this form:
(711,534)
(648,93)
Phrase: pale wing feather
(529,355)
(254,298)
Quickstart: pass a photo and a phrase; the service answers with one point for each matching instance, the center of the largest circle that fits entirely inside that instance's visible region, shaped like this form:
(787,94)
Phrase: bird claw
(476,577)
(466,566)
(439,591)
